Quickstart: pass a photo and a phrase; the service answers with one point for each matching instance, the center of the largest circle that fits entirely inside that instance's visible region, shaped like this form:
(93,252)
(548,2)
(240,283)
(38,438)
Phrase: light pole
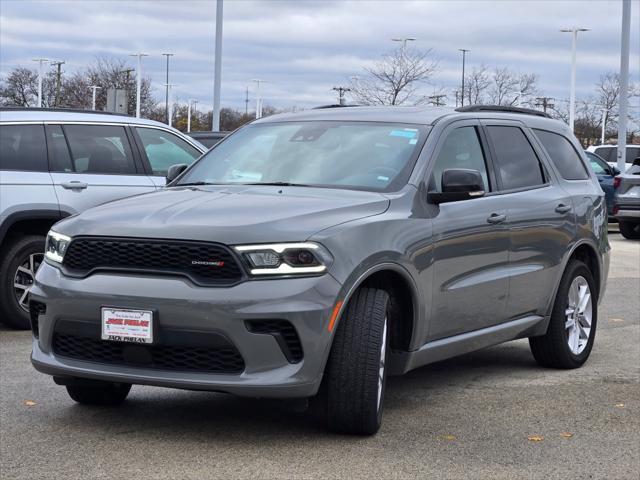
(138,80)
(258,97)
(58,65)
(189,116)
(215,120)
(166,104)
(40,62)
(341,91)
(624,83)
(464,58)
(572,94)
(604,125)
(93,96)
(169,86)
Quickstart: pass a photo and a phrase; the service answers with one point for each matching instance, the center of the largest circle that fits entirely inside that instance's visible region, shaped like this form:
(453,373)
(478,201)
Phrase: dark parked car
(208,139)
(313,254)
(627,201)
(605,174)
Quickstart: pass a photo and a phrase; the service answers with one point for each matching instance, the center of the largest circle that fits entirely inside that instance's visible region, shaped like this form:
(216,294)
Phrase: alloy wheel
(24,277)
(578,315)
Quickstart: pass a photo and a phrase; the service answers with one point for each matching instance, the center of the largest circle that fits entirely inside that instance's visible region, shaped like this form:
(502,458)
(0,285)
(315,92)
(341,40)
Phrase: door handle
(74,185)
(496,218)
(562,208)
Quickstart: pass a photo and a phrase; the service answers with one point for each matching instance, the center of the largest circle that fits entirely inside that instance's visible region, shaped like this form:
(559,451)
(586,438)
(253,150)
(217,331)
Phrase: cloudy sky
(303,48)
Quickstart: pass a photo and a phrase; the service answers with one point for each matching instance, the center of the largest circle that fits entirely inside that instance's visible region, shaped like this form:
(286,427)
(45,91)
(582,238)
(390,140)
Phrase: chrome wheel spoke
(383,351)
(578,315)
(24,277)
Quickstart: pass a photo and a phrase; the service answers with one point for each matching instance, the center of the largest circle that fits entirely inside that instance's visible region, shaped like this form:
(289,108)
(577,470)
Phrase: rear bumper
(178,305)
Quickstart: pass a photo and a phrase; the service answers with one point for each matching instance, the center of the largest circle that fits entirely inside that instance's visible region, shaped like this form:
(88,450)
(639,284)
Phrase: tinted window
(517,163)
(598,166)
(100,149)
(164,149)
(23,147)
(607,153)
(632,153)
(60,160)
(461,149)
(563,155)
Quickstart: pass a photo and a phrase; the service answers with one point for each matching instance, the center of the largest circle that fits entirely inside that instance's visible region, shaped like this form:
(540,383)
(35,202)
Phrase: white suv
(56,163)
(609,153)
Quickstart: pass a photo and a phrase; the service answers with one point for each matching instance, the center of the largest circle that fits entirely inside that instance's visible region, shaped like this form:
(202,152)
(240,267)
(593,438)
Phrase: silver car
(313,254)
(57,163)
(626,201)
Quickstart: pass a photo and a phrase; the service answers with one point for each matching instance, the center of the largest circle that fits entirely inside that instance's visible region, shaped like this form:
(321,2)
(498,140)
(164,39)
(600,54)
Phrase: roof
(62,115)
(423,115)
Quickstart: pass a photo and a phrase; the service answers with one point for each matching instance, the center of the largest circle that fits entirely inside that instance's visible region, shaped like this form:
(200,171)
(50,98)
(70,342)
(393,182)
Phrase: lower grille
(35,310)
(284,333)
(220,356)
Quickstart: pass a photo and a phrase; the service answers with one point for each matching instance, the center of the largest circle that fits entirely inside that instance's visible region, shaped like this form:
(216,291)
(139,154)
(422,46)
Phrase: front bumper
(306,303)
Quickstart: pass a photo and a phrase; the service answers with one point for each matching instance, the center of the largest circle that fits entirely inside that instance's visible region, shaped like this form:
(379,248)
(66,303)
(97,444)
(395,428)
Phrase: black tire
(353,368)
(13,256)
(630,230)
(95,392)
(552,349)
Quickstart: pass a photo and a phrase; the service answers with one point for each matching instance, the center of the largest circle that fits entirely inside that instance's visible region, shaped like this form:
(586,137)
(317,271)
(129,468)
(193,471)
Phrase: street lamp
(169,86)
(166,104)
(139,80)
(217,74)
(404,41)
(464,57)
(41,62)
(572,95)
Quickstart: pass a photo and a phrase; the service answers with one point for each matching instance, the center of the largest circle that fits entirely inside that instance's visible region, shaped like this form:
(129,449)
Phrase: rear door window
(516,162)
(100,149)
(164,149)
(23,147)
(563,155)
(60,159)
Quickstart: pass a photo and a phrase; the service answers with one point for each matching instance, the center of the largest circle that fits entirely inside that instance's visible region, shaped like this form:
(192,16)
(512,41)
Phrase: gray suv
(314,254)
(56,163)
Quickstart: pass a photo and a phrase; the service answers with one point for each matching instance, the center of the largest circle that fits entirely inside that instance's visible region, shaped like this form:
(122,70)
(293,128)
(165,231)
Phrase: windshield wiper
(192,184)
(280,184)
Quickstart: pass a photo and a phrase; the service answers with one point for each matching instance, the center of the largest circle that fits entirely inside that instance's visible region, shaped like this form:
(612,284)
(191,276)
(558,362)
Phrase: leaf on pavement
(535,438)
(616,320)
(29,403)
(620,405)
(566,434)
(449,437)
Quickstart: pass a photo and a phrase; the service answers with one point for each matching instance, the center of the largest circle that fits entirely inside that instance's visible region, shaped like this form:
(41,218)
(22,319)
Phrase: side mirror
(636,161)
(175,171)
(459,184)
(614,171)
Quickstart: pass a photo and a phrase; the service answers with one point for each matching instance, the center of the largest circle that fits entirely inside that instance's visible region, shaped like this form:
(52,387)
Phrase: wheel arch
(29,222)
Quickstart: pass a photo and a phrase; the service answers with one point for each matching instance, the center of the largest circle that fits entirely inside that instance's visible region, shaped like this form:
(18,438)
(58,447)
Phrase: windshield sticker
(402,133)
(413,141)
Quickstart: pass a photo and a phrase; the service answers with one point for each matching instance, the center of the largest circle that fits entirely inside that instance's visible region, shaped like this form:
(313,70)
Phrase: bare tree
(395,79)
(511,88)
(476,84)
(20,88)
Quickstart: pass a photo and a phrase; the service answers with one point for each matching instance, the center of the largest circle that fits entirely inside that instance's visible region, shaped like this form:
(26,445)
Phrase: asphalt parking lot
(490,414)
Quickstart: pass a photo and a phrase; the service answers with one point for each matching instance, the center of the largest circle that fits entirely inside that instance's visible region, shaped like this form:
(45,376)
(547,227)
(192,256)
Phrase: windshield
(368,156)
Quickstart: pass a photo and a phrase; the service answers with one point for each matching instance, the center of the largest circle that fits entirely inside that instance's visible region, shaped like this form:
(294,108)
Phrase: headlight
(56,246)
(305,258)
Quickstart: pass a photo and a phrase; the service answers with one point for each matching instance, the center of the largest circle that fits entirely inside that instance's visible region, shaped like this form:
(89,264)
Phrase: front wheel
(630,230)
(356,369)
(18,267)
(572,327)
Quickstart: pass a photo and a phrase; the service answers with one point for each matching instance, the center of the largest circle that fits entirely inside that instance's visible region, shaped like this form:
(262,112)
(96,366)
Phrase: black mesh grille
(204,263)
(218,359)
(35,310)
(284,333)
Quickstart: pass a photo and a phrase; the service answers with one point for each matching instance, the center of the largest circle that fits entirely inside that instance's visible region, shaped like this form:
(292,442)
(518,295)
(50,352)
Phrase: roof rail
(502,108)
(336,105)
(63,110)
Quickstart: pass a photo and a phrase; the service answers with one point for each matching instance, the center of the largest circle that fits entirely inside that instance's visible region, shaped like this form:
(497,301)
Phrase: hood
(229,214)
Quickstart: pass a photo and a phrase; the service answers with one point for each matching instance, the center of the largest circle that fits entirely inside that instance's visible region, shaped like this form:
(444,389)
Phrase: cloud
(304,48)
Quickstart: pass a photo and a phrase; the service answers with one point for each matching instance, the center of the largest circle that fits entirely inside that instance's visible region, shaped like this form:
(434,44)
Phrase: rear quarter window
(563,155)
(23,147)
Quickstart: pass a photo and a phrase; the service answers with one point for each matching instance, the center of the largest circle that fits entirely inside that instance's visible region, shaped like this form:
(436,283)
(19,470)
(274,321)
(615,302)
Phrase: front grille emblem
(208,263)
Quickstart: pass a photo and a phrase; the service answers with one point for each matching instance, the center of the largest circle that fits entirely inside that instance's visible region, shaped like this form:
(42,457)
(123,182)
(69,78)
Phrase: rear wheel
(356,370)
(94,392)
(572,328)
(18,267)
(630,230)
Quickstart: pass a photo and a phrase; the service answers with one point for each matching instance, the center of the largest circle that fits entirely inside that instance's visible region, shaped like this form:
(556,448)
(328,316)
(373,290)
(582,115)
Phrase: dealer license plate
(126,325)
